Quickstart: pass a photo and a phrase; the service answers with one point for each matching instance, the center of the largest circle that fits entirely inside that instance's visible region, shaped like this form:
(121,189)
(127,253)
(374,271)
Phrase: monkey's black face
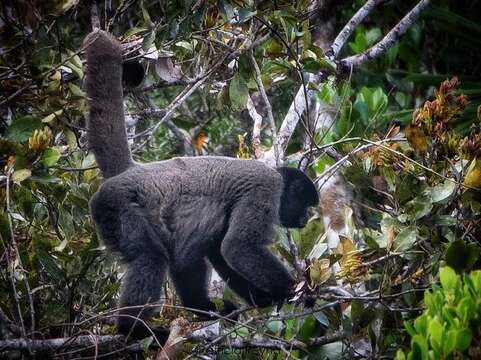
(298,195)
(132,73)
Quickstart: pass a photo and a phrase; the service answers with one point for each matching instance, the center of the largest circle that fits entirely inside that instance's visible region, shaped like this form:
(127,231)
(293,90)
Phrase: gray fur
(106,126)
(176,214)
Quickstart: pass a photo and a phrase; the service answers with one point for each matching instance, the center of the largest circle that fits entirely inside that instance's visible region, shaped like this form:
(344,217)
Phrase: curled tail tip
(101,43)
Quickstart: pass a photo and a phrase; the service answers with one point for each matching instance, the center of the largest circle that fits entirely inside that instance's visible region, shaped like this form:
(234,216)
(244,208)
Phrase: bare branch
(270,116)
(24,344)
(352,24)
(297,108)
(94,16)
(118,341)
(256,128)
(388,41)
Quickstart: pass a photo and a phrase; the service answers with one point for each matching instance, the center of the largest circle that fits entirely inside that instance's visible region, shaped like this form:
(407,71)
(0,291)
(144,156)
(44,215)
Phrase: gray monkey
(174,215)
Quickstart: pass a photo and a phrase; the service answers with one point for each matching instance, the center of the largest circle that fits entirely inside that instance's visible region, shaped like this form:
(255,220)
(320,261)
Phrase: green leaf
(307,328)
(405,239)
(50,157)
(245,14)
(327,93)
(372,35)
(419,348)
(77,93)
(435,331)
(448,278)
(22,128)
(20,175)
(275,326)
(463,339)
(312,66)
(410,328)
(226,10)
(242,331)
(449,342)
(420,206)
(360,42)
(442,191)
(4,226)
(361,108)
(321,318)
(327,64)
(185,45)
(466,309)
(49,118)
(461,256)
(238,92)
(400,355)
(421,324)
(145,15)
(50,265)
(145,343)
(275,67)
(148,41)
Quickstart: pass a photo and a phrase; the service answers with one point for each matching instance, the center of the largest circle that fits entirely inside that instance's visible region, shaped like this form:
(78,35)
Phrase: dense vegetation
(403,129)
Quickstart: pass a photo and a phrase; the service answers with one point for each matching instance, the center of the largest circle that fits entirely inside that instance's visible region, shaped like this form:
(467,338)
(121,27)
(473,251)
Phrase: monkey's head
(132,73)
(298,195)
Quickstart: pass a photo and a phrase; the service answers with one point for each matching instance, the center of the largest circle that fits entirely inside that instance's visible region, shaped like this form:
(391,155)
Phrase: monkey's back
(221,178)
(191,198)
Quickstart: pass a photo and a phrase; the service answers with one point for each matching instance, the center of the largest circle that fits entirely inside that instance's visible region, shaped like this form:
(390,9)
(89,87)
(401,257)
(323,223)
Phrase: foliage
(451,322)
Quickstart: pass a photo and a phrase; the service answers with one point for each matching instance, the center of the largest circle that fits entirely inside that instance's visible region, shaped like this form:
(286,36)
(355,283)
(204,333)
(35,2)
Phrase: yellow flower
(40,139)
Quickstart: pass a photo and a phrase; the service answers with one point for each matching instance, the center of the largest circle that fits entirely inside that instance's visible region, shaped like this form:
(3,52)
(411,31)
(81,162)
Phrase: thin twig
(298,264)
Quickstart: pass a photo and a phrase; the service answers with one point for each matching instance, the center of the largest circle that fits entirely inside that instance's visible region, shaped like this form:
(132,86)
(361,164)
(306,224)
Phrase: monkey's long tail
(106,125)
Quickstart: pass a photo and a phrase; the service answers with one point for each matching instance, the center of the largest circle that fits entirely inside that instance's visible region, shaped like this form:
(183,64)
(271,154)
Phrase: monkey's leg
(248,291)
(142,284)
(190,280)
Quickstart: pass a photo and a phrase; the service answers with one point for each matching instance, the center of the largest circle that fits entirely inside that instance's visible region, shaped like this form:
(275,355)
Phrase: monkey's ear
(132,73)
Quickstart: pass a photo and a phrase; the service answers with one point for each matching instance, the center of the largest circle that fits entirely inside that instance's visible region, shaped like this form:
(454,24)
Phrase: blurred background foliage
(419,201)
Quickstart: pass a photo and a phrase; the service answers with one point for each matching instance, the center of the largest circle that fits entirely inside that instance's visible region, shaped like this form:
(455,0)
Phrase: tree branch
(256,128)
(297,108)
(270,116)
(118,341)
(61,343)
(388,41)
(94,16)
(352,24)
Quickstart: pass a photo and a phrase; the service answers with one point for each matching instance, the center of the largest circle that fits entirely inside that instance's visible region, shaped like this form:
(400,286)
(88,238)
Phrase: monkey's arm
(244,246)
(248,291)
(258,266)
